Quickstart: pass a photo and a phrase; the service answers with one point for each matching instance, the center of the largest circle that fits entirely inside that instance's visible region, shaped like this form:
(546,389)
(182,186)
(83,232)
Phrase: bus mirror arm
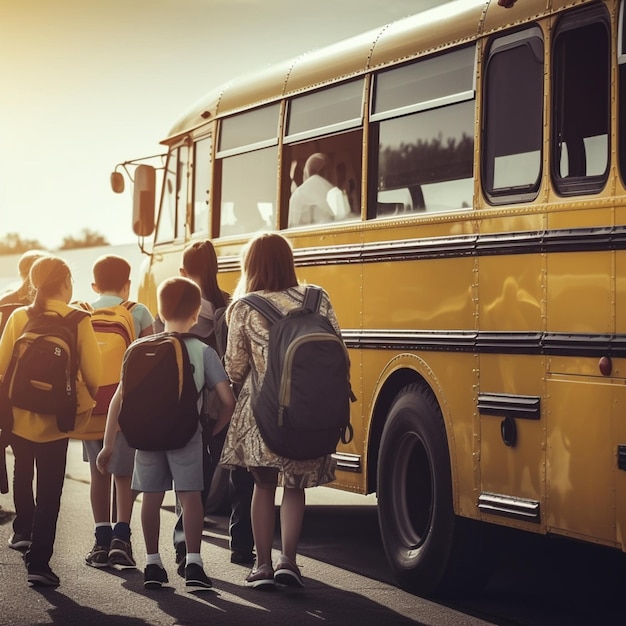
(142,248)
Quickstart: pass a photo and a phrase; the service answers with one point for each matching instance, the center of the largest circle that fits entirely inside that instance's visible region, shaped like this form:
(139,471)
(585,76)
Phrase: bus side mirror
(117,182)
(143,200)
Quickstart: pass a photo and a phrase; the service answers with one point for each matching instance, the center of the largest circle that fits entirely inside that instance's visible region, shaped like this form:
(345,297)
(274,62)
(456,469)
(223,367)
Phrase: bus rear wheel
(425,543)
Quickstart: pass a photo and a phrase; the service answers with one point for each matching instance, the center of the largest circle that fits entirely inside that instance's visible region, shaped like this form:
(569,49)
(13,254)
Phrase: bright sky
(87,84)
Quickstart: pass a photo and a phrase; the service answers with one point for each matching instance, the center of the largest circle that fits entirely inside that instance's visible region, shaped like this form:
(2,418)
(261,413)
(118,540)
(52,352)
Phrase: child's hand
(103,459)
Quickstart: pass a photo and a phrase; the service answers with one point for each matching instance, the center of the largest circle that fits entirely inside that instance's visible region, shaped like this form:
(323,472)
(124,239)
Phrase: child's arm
(111,428)
(226,399)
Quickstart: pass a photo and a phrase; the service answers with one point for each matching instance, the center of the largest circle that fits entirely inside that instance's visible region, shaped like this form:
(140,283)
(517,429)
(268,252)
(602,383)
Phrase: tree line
(13,243)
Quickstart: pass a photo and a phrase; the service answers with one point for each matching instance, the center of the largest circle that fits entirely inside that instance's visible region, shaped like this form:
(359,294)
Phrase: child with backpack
(199,263)
(158,464)
(9,301)
(38,437)
(117,323)
(268,269)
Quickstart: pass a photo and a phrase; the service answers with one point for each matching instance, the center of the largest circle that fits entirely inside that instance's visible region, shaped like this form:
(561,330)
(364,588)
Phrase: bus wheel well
(397,381)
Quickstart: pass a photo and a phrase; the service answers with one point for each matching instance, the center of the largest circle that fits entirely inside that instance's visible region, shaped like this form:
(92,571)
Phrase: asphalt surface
(340,544)
(537,581)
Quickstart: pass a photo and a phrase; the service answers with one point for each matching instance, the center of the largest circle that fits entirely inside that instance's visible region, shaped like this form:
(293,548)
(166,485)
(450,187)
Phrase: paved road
(537,582)
(339,590)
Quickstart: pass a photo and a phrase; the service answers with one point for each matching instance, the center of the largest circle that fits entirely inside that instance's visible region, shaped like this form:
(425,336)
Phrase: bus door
(171,225)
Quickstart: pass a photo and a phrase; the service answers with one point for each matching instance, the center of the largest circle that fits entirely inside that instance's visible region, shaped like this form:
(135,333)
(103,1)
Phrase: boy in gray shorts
(154,471)
(111,281)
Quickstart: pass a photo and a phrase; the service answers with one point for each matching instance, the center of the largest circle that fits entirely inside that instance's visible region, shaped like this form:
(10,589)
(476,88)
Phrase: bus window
(201,186)
(246,168)
(322,180)
(182,181)
(423,116)
(621,59)
(581,114)
(322,157)
(248,192)
(513,117)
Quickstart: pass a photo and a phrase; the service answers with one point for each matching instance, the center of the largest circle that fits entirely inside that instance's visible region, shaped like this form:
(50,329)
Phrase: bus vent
(348,462)
(621,457)
(509,506)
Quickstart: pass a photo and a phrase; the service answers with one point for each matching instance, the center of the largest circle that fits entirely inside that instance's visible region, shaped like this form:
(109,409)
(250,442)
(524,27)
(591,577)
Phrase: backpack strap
(85,306)
(128,305)
(268,310)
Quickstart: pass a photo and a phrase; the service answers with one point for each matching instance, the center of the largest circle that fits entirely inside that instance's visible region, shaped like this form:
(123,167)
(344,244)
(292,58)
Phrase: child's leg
(100,494)
(124,498)
(121,552)
(291,517)
(263,521)
(193,519)
(151,520)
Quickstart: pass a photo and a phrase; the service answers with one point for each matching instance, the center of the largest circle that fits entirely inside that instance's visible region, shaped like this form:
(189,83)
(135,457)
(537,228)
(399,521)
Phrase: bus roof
(405,39)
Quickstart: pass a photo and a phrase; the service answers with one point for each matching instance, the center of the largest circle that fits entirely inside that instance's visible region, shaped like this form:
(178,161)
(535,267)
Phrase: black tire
(425,543)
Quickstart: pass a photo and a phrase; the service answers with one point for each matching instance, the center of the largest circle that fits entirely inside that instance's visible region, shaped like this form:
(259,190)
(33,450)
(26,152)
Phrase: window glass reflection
(326,107)
(249,128)
(425,161)
(425,81)
(202,186)
(248,195)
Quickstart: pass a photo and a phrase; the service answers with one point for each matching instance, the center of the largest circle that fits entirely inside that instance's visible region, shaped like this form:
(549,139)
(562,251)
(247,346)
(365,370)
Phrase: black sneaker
(98,557)
(195,577)
(42,576)
(154,576)
(121,553)
(19,542)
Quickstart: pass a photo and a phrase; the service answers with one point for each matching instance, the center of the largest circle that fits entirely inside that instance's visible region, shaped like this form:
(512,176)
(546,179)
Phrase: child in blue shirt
(112,545)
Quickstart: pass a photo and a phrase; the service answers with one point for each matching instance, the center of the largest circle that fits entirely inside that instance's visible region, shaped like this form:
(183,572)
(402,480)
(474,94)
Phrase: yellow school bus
(472,239)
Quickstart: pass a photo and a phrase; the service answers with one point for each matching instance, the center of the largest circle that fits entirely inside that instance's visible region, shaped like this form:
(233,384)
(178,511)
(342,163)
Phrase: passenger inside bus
(317,200)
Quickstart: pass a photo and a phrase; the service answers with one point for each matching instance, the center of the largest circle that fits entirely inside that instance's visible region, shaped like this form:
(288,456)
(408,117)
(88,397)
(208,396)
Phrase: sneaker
(262,577)
(19,542)
(154,576)
(195,577)
(287,573)
(242,558)
(98,557)
(121,553)
(42,576)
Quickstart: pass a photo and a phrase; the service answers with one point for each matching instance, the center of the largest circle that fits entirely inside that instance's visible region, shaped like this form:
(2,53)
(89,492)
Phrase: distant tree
(87,239)
(14,244)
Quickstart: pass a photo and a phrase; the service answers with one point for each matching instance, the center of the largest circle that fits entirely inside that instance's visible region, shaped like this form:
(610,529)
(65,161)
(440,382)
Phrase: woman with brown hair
(268,268)
(35,437)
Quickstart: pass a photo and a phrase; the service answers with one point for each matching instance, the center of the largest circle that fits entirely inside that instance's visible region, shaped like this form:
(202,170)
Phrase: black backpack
(159,397)
(303,407)
(41,376)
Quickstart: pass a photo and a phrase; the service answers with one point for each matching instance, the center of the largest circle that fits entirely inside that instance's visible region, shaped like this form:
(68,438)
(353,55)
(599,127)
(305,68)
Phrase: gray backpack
(303,406)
